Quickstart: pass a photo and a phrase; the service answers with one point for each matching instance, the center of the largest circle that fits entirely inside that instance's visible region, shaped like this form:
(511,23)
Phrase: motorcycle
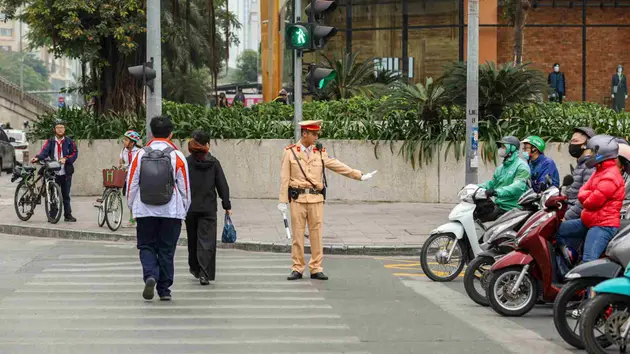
(570,302)
(458,241)
(500,242)
(516,279)
(608,314)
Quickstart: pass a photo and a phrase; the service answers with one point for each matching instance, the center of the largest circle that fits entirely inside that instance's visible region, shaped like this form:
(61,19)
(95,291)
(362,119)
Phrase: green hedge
(353,119)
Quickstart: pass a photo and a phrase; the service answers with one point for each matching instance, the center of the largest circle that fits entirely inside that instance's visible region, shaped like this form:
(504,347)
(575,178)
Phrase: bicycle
(49,189)
(111,201)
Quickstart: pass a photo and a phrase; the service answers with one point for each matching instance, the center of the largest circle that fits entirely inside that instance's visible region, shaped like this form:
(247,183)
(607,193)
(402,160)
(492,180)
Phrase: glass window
(432,12)
(6,32)
(376,14)
(429,50)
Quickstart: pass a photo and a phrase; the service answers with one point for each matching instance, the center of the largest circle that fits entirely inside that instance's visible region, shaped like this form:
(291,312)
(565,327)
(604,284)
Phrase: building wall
(606,47)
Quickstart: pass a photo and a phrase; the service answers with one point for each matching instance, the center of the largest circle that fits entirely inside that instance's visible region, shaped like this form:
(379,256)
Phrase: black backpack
(157,180)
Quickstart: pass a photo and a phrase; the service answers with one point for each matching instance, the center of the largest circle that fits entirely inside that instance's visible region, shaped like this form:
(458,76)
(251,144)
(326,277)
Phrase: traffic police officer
(303,184)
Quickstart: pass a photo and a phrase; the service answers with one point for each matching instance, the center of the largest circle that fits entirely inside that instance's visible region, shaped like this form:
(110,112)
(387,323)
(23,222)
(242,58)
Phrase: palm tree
(353,78)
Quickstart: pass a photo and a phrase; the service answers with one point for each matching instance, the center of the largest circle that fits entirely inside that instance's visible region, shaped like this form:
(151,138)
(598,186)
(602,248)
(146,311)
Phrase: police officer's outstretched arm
(518,185)
(340,168)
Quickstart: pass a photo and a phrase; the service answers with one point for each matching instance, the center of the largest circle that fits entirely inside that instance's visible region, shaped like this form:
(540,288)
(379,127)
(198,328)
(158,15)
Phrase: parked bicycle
(28,194)
(110,205)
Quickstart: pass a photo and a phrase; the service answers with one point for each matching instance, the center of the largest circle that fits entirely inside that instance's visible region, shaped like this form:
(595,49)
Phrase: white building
(248,14)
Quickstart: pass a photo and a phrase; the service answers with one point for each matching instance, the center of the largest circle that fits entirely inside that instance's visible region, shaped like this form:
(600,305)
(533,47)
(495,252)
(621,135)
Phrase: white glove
(626,96)
(282,207)
(613,96)
(367,176)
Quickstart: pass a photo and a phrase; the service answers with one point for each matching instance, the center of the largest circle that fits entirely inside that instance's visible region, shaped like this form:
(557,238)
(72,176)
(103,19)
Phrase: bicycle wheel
(24,201)
(113,210)
(101,210)
(54,204)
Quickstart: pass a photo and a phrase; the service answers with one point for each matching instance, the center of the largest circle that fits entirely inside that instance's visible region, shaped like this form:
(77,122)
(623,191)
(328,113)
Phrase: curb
(254,246)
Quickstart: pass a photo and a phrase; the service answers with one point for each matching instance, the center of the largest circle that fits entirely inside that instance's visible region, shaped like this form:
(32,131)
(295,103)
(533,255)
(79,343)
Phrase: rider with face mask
(581,173)
(509,181)
(540,165)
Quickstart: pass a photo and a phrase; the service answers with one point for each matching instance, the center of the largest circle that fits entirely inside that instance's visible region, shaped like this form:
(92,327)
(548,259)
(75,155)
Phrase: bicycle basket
(53,165)
(114,178)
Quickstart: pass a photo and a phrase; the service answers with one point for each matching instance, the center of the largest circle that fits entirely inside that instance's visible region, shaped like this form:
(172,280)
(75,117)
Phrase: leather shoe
(319,276)
(294,275)
(204,281)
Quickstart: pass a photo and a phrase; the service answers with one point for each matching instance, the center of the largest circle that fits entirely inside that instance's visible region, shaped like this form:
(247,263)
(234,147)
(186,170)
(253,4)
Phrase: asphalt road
(85,297)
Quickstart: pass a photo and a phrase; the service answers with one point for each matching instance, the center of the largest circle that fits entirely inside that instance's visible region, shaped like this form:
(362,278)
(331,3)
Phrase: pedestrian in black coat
(206,180)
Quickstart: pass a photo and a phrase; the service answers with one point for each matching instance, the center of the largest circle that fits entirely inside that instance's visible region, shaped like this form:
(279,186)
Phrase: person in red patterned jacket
(602,198)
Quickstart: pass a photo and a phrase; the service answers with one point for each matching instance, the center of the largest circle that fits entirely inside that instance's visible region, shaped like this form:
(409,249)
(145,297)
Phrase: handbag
(229,232)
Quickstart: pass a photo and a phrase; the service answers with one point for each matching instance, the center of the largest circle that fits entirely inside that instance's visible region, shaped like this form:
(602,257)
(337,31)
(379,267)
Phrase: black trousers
(201,229)
(65,182)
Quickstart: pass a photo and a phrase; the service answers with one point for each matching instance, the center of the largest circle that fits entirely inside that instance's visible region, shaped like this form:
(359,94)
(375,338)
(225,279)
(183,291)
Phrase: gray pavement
(61,296)
(355,225)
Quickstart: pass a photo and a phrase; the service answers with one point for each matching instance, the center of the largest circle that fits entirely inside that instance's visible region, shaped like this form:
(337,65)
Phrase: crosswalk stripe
(203,290)
(137,262)
(140,316)
(151,305)
(139,268)
(189,328)
(135,256)
(181,274)
(177,341)
(136,283)
(179,298)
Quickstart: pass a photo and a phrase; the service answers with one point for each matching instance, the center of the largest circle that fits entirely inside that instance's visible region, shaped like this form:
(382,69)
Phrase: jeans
(573,232)
(65,182)
(157,240)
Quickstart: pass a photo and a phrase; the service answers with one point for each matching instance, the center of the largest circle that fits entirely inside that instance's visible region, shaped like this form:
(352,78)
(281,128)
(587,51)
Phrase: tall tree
(515,12)
(247,64)
(109,35)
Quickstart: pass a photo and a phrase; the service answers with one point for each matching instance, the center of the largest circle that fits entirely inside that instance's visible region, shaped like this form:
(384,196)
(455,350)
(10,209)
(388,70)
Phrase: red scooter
(517,278)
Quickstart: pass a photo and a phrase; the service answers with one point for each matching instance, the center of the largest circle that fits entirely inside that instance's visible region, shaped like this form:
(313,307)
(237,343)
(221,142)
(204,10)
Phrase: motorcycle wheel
(600,311)
(561,313)
(504,279)
(439,258)
(478,270)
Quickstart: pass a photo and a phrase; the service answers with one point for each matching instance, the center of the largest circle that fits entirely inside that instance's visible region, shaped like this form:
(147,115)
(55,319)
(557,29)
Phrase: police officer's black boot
(294,275)
(319,276)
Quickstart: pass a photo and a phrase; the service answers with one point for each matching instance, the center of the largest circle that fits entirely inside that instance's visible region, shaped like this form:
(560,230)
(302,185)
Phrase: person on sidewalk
(130,148)
(540,165)
(206,180)
(158,192)
(303,184)
(64,150)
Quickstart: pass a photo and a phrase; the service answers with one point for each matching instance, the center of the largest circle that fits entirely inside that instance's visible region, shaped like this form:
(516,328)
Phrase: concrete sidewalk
(349,228)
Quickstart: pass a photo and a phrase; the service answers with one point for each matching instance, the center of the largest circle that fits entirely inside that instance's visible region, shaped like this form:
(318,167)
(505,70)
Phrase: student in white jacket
(159,226)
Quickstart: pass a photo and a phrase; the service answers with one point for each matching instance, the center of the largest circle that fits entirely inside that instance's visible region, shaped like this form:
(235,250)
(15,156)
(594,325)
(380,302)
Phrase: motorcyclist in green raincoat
(509,181)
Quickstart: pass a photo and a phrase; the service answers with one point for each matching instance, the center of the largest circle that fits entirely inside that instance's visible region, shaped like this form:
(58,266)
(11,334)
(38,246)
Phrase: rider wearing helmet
(602,197)
(581,173)
(540,165)
(130,147)
(509,181)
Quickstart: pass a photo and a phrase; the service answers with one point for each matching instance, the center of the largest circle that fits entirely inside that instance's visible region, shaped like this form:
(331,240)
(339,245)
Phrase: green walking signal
(298,36)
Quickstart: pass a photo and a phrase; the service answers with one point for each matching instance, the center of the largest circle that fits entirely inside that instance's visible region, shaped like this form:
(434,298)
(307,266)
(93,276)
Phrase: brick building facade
(419,37)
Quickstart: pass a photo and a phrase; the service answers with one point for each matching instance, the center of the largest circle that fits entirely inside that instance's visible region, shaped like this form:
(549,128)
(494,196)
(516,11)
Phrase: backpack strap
(147,149)
(168,150)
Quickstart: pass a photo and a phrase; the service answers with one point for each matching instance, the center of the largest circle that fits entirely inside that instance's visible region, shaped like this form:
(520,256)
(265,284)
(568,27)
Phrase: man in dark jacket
(62,149)
(581,173)
(206,179)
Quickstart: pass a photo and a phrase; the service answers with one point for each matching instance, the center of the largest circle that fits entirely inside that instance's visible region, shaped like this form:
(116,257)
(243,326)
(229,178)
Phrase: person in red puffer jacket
(602,198)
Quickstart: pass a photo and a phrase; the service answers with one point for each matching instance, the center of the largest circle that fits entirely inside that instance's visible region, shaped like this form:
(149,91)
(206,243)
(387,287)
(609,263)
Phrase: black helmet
(511,140)
(59,122)
(589,132)
(604,147)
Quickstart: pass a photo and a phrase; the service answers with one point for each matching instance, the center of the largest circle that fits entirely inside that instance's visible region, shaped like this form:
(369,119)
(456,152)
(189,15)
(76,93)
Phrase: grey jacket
(581,174)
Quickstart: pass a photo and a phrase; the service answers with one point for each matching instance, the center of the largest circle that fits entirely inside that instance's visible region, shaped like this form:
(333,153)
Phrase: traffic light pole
(472,94)
(154,52)
(297,77)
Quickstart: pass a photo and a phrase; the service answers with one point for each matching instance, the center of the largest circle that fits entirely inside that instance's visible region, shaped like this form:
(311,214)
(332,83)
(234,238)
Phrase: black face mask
(575,150)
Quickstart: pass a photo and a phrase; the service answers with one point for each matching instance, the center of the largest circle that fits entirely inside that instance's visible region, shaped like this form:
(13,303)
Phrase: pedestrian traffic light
(298,36)
(318,77)
(320,34)
(144,72)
